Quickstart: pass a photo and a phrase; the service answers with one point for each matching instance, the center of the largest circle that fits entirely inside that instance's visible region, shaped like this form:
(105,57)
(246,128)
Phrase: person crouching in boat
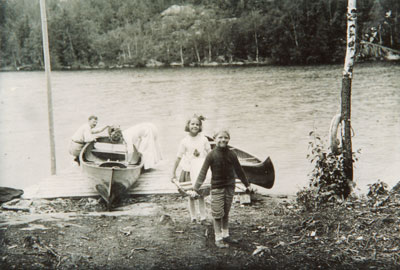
(83,135)
(143,137)
(115,136)
(224,165)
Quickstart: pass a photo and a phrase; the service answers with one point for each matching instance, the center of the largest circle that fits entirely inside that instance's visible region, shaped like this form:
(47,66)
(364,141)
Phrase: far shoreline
(158,65)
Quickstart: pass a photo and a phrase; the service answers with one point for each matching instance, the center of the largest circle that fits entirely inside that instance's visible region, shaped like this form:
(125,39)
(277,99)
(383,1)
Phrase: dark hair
(115,134)
(92,117)
(198,117)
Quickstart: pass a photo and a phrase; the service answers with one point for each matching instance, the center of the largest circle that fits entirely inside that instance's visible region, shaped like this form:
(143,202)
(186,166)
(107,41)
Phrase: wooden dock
(72,183)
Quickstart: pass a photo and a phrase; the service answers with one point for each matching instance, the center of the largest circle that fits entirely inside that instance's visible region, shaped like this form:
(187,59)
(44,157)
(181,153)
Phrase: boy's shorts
(221,201)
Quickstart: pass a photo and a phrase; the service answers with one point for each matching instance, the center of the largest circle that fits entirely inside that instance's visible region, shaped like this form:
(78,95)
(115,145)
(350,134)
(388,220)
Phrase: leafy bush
(305,198)
(328,182)
(377,193)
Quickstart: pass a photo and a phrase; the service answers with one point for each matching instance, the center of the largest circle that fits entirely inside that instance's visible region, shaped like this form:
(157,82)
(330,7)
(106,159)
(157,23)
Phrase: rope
(333,130)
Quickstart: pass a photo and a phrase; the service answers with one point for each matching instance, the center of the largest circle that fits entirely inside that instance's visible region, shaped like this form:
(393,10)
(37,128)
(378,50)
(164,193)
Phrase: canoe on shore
(106,165)
(7,194)
(258,172)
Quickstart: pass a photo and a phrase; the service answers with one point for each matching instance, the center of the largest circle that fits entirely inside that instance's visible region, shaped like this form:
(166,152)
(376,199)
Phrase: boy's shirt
(224,164)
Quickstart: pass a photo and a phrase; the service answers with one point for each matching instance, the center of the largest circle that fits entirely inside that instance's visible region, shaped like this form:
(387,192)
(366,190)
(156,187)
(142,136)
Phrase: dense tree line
(87,33)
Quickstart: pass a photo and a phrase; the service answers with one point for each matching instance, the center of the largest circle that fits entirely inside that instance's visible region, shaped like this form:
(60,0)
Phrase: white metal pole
(48,83)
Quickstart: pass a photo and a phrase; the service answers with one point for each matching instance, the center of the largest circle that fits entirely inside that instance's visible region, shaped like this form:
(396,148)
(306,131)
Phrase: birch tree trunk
(346,91)
(129,50)
(168,53)
(181,53)
(197,52)
(71,47)
(256,41)
(209,47)
(294,31)
(136,46)
(14,60)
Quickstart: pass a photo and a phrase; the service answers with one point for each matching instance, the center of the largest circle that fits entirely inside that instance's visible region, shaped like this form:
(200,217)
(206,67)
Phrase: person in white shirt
(143,138)
(83,135)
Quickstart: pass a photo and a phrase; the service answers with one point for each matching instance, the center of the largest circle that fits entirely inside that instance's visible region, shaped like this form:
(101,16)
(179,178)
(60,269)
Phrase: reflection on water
(269,111)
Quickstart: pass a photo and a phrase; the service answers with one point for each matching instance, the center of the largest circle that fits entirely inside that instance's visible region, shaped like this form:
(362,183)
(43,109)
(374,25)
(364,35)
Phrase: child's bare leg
(218,233)
(202,208)
(192,209)
(225,226)
(217,228)
(227,207)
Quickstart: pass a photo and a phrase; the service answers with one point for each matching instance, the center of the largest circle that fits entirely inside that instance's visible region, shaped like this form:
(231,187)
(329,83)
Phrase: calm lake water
(269,110)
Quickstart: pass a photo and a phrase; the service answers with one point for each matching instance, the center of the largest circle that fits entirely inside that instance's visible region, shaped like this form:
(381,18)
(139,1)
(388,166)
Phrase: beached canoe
(258,172)
(7,194)
(105,164)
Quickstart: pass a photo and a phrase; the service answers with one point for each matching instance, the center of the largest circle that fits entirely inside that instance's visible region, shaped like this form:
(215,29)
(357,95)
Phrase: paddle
(182,190)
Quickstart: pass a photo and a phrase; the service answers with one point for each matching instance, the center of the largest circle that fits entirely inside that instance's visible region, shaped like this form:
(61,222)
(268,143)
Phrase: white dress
(145,138)
(192,151)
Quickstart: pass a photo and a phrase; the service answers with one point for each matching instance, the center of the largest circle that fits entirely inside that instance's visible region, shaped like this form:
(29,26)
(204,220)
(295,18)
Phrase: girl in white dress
(193,148)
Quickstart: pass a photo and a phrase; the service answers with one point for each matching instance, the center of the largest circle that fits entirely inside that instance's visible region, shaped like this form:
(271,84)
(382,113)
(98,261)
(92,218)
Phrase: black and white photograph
(199,134)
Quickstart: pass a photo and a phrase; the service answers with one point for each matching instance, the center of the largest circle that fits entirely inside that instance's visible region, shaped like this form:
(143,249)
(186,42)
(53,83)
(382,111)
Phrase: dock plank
(72,183)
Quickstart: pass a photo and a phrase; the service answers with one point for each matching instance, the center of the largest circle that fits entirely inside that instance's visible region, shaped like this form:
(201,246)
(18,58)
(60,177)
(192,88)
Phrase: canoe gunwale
(261,173)
(113,175)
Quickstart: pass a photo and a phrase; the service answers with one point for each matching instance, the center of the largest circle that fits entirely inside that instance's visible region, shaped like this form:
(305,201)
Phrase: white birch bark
(351,39)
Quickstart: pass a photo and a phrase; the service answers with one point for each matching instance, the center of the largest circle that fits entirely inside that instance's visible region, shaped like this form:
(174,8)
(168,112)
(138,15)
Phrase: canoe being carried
(257,172)
(105,164)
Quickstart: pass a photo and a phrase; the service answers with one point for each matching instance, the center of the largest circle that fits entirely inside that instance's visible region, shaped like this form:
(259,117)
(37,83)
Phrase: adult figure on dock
(143,137)
(83,135)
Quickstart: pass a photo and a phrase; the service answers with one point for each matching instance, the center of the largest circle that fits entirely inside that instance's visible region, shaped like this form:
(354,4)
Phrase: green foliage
(133,32)
(328,182)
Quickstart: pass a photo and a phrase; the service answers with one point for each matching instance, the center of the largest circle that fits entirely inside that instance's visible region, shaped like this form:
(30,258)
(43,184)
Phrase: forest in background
(137,33)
